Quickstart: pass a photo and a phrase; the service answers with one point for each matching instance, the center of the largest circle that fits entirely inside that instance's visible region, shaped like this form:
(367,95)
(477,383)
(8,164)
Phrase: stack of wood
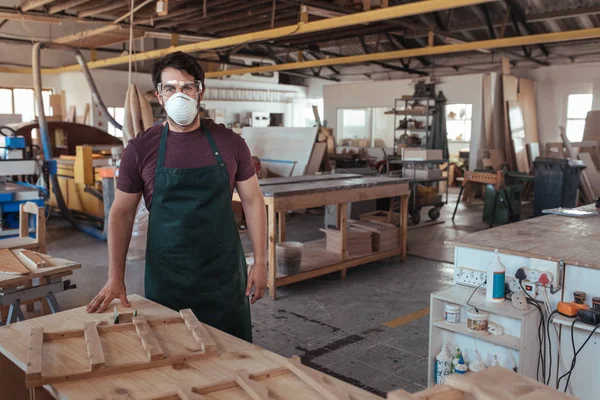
(384,236)
(359,241)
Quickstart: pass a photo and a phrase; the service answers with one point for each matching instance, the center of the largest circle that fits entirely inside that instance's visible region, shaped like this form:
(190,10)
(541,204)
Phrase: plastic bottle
(496,275)
(443,364)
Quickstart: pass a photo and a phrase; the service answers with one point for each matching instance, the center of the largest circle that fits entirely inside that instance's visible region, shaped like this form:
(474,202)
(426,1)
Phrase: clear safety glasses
(190,88)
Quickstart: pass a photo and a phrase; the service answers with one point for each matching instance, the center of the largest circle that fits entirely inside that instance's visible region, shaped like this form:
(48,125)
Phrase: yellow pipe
(424,51)
(405,10)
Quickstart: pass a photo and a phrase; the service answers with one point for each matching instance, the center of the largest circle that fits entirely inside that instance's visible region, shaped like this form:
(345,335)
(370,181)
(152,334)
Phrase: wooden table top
(234,354)
(305,178)
(549,237)
(320,186)
(56,266)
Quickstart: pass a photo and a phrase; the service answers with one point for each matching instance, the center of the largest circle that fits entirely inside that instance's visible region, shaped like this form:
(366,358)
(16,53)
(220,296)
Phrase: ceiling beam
(519,15)
(58,7)
(100,9)
(309,27)
(554,37)
(27,5)
(15,16)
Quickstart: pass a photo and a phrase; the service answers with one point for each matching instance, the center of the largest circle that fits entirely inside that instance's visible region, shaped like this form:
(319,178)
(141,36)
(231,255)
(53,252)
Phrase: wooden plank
(35,258)
(316,158)
(350,195)
(187,393)
(198,330)
(488,111)
(34,354)
(149,342)
(94,346)
(281,222)
(517,135)
(10,264)
(592,173)
(527,101)
(255,390)
(505,66)
(23,222)
(316,381)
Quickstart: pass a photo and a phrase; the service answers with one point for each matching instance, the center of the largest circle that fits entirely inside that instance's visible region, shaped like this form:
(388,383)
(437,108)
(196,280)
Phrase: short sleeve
(245,164)
(130,179)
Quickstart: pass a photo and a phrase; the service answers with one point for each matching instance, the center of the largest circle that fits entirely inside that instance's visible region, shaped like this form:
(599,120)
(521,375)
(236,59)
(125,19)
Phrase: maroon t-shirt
(184,150)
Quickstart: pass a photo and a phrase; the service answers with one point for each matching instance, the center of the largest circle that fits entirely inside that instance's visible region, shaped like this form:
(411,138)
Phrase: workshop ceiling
(195,20)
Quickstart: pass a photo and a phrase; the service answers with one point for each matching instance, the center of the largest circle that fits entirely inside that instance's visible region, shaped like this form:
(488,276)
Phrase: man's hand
(114,288)
(257,277)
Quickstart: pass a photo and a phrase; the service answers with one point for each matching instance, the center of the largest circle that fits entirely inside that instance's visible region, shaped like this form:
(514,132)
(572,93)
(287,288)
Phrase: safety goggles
(190,88)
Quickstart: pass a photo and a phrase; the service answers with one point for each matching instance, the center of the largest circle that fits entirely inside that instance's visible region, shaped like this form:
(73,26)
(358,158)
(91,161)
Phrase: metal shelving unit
(402,115)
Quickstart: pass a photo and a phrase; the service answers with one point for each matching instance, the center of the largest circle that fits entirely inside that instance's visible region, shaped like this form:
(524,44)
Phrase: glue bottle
(495,280)
(443,364)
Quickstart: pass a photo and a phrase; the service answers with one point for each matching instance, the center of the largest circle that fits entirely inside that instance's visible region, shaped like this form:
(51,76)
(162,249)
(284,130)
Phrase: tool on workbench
(122,318)
(588,316)
(570,309)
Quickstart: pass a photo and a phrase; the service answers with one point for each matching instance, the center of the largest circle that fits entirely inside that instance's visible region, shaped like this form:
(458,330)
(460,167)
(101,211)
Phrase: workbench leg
(281,222)
(30,306)
(343,225)
(404,225)
(271,232)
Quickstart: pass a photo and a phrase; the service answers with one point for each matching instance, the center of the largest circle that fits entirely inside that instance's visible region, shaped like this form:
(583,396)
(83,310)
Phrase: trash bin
(556,183)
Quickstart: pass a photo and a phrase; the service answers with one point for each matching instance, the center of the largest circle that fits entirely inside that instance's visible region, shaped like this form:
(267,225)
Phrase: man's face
(172,74)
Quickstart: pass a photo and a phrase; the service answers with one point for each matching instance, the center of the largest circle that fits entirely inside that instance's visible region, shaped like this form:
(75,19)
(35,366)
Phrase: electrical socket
(544,266)
(469,277)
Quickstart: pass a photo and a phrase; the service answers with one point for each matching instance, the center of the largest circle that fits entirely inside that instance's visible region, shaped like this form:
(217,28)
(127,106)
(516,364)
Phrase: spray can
(443,364)
(495,280)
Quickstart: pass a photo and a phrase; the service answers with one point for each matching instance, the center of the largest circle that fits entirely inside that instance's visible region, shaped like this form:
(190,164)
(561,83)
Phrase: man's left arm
(256,219)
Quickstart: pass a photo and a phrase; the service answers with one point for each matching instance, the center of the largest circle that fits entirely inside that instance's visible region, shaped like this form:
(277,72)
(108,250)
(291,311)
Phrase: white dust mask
(181,108)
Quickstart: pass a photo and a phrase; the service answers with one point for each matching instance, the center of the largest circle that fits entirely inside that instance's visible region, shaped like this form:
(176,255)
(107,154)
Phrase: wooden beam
(149,342)
(430,39)
(316,380)
(404,10)
(255,390)
(34,354)
(100,9)
(198,330)
(13,16)
(56,8)
(27,5)
(94,346)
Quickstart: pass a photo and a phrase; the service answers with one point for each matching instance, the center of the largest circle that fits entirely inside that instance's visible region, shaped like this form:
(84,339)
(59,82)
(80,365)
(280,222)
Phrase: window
(370,125)
(118,113)
(578,106)
(459,118)
(22,101)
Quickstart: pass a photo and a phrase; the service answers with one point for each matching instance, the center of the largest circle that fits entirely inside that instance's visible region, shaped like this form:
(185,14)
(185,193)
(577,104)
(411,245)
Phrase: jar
(477,321)
(452,313)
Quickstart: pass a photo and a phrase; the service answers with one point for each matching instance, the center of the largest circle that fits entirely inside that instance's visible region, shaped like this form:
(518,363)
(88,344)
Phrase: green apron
(194,255)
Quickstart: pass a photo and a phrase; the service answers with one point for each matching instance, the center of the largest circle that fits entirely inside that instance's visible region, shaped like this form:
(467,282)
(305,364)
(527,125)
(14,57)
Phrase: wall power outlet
(469,277)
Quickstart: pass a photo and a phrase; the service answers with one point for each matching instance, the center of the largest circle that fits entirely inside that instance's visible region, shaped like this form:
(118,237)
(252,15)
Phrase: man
(186,169)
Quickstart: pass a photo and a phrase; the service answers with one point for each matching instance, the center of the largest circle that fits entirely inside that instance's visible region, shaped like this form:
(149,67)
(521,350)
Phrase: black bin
(556,183)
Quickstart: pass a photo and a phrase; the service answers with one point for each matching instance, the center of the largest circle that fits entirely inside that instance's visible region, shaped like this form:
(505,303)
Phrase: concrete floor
(336,326)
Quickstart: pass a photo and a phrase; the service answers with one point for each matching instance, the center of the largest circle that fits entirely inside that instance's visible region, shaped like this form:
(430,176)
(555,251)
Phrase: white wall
(554,84)
(457,89)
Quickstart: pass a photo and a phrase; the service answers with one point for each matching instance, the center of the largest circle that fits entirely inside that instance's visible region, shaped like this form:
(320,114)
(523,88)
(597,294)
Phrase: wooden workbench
(550,237)
(286,194)
(156,383)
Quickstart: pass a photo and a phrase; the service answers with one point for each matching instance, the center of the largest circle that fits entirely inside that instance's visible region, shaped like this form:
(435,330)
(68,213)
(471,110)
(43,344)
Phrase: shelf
(566,321)
(417,98)
(413,113)
(459,295)
(317,261)
(412,130)
(460,328)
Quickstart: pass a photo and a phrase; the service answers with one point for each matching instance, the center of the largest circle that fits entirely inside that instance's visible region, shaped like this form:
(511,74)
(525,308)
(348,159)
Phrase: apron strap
(213,145)
(163,146)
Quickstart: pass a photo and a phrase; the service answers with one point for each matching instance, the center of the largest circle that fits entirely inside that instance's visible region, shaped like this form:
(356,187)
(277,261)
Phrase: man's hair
(178,60)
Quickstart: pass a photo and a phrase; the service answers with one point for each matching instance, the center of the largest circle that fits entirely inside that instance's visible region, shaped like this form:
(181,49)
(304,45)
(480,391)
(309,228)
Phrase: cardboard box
(421,154)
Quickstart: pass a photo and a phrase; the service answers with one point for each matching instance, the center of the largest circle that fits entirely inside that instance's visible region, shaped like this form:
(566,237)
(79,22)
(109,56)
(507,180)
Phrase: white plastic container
(452,313)
(477,321)
(443,364)
(496,276)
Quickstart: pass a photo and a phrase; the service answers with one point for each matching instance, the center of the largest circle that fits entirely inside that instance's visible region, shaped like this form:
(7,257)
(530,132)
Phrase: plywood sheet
(9,264)
(278,148)
(510,86)
(592,172)
(592,131)
(316,158)
(550,237)
(488,111)
(526,98)
(55,266)
(234,354)
(517,136)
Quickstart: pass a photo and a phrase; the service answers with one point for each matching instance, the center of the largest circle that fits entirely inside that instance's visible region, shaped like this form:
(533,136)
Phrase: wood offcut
(10,264)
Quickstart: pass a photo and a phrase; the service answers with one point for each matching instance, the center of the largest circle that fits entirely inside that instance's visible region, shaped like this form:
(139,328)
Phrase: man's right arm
(120,225)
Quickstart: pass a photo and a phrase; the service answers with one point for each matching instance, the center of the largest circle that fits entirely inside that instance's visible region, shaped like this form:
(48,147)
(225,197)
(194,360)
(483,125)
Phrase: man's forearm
(256,219)
(120,226)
